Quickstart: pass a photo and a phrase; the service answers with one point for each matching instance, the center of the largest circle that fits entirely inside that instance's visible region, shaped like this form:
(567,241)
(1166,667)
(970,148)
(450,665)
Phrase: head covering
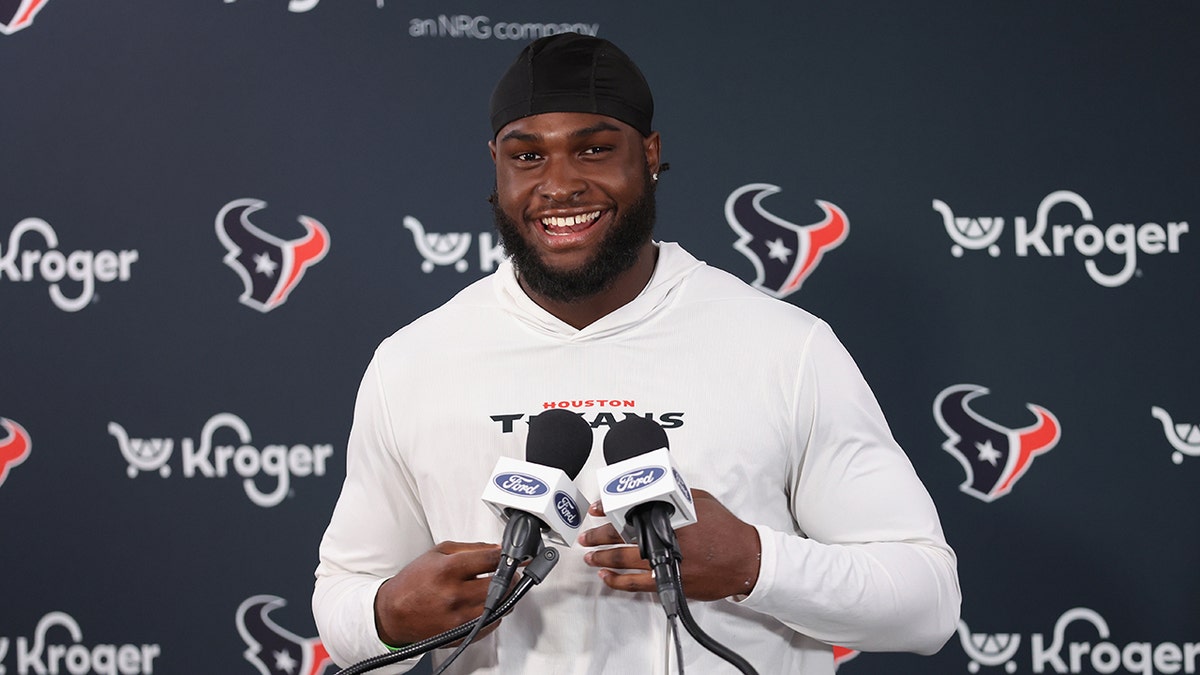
(570,72)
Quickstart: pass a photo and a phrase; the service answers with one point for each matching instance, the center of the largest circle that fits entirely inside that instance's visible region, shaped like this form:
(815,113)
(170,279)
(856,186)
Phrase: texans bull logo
(270,267)
(273,650)
(842,655)
(18,14)
(783,253)
(14,447)
(993,456)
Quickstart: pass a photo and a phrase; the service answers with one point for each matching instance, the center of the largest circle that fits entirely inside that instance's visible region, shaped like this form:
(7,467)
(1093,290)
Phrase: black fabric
(573,73)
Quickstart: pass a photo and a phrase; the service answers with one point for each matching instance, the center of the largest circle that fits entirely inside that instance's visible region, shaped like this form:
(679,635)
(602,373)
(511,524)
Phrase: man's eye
(596,150)
(526,157)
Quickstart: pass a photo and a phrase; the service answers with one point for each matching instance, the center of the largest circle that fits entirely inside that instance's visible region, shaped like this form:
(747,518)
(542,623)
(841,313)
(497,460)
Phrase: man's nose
(562,182)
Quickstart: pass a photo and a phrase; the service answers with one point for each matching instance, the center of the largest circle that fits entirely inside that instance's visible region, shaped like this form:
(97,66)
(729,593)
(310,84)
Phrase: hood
(673,266)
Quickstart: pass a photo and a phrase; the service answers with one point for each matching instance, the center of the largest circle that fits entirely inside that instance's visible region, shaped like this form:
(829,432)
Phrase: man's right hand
(442,589)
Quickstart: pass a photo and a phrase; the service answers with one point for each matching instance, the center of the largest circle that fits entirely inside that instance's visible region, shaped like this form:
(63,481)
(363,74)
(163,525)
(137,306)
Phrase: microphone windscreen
(631,437)
(559,438)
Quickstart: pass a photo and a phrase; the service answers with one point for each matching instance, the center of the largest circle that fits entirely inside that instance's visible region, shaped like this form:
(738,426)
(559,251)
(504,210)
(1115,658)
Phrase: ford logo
(520,484)
(687,492)
(634,480)
(567,509)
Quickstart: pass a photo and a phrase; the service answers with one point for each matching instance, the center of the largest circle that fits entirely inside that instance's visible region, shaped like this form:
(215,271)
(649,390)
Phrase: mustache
(616,253)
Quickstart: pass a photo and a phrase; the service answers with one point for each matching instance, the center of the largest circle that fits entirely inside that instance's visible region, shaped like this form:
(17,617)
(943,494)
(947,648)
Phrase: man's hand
(720,554)
(442,589)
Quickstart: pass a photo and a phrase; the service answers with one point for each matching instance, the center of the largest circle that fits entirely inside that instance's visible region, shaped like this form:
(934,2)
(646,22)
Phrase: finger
(471,594)
(622,557)
(596,509)
(475,588)
(638,582)
(449,547)
(470,563)
(601,536)
(464,606)
(452,547)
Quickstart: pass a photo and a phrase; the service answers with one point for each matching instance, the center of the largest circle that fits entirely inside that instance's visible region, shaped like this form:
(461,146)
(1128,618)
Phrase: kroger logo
(442,249)
(57,646)
(567,509)
(208,459)
(46,262)
(1045,238)
(1099,654)
(634,480)
(521,485)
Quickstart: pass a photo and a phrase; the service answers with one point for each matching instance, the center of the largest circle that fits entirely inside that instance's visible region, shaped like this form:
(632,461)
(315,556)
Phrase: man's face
(574,203)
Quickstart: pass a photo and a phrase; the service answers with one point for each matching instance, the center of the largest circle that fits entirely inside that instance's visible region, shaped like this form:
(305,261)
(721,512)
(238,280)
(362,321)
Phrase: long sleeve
(377,527)
(870,569)
(764,409)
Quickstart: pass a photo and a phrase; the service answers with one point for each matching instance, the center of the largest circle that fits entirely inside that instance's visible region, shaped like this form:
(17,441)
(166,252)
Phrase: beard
(617,253)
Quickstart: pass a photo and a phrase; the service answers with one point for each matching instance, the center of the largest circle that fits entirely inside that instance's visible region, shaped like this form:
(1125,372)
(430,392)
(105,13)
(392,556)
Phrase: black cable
(678,643)
(533,574)
(462,646)
(703,638)
(659,547)
(522,542)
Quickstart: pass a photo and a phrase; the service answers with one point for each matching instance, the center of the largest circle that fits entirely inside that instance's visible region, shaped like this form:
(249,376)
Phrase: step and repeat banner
(212,211)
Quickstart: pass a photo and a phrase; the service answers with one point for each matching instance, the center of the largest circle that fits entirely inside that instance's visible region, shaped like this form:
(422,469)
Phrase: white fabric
(764,408)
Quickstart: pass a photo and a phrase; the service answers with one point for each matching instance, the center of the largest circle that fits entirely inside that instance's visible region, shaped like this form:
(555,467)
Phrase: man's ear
(492,148)
(652,146)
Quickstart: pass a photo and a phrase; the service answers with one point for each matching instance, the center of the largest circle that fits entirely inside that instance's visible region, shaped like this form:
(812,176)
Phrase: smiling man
(812,527)
(574,206)
(576,163)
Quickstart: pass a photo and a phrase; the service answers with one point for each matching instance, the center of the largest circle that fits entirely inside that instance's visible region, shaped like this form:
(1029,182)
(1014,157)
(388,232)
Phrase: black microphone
(640,471)
(646,498)
(534,496)
(539,494)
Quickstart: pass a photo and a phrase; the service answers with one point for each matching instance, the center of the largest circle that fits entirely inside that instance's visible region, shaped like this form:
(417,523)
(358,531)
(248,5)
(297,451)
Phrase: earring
(654,177)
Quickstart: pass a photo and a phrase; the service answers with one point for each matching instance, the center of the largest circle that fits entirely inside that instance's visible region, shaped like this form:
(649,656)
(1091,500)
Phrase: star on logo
(987,453)
(284,661)
(778,251)
(264,265)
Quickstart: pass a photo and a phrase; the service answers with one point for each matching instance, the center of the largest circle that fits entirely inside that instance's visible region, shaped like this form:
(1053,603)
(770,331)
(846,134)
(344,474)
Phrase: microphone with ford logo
(533,497)
(646,499)
(539,494)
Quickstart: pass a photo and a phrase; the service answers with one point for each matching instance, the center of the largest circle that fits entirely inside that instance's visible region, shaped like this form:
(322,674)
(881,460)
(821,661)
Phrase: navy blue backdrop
(1020,182)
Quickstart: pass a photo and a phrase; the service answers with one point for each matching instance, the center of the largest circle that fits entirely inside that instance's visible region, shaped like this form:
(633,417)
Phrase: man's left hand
(720,554)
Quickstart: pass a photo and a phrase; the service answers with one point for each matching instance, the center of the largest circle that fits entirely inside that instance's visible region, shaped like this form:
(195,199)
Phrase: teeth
(570,221)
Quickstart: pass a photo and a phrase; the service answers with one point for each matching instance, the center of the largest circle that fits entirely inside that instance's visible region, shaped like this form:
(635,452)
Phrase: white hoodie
(763,407)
